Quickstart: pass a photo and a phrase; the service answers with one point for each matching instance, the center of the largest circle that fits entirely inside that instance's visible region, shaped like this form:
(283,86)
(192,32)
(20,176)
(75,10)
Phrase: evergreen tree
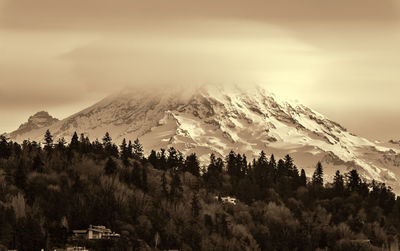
(212,167)
(261,171)
(303,178)
(272,166)
(97,147)
(152,158)
(317,178)
(231,164)
(130,149)
(192,165)
(137,149)
(354,180)
(213,175)
(181,162)
(107,139)
(289,165)
(74,144)
(110,167)
(48,139)
(109,147)
(113,151)
(61,144)
(219,165)
(262,160)
(281,169)
(5,150)
(82,138)
(162,159)
(84,144)
(107,143)
(294,172)
(338,182)
(124,152)
(172,161)
(17,150)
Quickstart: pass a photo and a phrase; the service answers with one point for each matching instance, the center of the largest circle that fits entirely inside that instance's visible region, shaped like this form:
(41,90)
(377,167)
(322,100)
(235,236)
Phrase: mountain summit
(39,120)
(220,119)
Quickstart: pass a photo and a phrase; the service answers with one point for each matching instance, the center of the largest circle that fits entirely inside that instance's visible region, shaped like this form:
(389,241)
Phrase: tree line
(168,201)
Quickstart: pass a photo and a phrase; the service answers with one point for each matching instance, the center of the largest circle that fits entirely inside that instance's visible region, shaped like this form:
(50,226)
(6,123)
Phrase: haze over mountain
(220,119)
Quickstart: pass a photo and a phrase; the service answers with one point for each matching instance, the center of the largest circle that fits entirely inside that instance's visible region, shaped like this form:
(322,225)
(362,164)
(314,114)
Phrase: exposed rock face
(220,119)
(394,142)
(39,120)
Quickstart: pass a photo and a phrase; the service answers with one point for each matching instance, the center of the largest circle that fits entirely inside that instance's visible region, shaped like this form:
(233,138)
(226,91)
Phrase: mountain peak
(40,119)
(217,119)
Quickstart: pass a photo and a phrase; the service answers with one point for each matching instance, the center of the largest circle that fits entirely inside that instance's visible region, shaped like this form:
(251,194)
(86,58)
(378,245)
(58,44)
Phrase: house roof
(99,229)
(79,231)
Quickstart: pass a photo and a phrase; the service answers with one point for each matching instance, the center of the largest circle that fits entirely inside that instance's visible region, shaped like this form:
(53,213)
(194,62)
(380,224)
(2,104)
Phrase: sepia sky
(339,57)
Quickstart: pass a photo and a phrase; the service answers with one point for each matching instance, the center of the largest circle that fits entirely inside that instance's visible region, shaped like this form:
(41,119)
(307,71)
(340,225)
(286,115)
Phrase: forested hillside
(169,201)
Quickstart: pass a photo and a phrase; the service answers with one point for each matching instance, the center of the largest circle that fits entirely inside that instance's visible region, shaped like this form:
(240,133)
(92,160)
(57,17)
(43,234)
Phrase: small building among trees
(95,233)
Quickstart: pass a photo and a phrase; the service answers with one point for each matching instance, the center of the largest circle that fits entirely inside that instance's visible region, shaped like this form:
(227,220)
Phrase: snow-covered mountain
(219,119)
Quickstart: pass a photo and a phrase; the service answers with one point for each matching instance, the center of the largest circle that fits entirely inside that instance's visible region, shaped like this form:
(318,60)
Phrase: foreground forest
(168,201)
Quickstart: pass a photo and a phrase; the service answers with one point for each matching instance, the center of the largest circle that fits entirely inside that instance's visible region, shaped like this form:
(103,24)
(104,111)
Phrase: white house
(95,233)
(76,249)
(228,199)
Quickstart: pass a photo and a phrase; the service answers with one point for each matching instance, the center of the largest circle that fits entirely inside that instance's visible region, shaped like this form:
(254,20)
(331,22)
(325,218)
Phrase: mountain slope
(220,119)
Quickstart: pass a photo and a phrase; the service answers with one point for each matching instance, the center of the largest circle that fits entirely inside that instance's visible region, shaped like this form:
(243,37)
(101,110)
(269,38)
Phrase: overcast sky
(339,57)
